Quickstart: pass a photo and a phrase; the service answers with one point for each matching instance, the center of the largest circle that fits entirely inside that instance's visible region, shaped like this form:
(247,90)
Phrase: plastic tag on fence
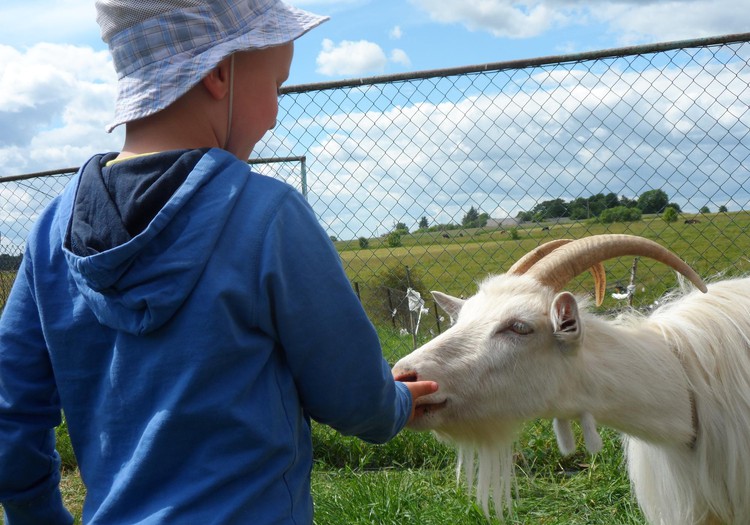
(416,303)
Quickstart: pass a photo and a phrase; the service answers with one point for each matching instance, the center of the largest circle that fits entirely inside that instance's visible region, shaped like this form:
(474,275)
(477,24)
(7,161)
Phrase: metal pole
(633,270)
(303,164)
(408,309)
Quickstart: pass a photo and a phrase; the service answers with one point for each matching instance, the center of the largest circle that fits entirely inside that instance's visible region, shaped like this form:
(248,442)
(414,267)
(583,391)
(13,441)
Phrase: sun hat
(162,48)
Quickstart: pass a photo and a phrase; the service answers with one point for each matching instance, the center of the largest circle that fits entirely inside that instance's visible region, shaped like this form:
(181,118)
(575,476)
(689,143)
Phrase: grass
(6,281)
(712,245)
(412,480)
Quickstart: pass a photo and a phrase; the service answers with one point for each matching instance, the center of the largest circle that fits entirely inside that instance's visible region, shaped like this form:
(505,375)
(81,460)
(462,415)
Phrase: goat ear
(566,323)
(451,305)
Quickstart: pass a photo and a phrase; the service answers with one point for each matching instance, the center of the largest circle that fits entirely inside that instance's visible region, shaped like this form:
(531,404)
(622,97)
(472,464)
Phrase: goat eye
(516,327)
(521,328)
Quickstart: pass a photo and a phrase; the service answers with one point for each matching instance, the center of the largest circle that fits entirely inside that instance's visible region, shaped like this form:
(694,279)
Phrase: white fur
(636,374)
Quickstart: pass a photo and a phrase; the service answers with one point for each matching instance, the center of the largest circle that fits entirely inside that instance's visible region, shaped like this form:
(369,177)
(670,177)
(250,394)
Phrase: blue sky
(57,82)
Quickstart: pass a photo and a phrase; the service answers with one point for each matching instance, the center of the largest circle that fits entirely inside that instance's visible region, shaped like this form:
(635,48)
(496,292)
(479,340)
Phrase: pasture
(709,246)
(412,479)
(714,246)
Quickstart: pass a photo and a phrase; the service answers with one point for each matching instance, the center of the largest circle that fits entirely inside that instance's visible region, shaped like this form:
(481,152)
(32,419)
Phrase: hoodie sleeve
(29,413)
(330,345)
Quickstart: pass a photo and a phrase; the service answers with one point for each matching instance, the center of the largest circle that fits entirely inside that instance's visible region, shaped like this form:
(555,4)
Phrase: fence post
(411,318)
(437,316)
(390,307)
(633,270)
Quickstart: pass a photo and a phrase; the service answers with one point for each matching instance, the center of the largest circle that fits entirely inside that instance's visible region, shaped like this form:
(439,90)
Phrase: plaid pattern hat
(162,48)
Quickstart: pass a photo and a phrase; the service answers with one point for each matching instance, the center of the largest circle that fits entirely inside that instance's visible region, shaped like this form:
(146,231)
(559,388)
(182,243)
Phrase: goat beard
(487,463)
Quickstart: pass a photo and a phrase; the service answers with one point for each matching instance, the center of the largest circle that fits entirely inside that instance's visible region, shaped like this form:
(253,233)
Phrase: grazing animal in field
(692,221)
(676,383)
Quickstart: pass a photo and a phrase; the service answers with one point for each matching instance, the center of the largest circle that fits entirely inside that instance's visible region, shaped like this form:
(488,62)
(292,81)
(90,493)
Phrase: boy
(188,316)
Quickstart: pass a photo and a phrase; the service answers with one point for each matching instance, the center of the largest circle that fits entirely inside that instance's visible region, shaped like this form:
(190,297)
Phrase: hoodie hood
(135,281)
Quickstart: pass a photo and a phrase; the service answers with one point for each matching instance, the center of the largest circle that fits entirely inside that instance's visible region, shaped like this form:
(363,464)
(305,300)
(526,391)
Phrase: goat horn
(573,258)
(523,264)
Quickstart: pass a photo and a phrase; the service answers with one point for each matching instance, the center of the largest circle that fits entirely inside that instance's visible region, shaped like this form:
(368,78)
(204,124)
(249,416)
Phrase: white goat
(676,383)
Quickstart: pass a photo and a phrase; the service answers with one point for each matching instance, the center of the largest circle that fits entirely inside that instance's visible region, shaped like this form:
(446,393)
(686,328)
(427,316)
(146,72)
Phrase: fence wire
(434,180)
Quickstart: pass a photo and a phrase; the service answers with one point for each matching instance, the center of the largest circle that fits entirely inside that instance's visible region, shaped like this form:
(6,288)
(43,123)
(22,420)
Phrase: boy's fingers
(422,388)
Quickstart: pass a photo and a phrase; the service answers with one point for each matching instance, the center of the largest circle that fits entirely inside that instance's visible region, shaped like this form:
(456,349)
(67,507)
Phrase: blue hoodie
(188,352)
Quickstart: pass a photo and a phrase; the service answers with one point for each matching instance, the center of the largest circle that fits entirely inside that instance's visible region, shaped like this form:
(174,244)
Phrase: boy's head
(163,48)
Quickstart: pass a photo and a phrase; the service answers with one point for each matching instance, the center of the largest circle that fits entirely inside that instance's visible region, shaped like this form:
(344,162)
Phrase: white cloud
(54,103)
(674,20)
(399,56)
(635,20)
(396,33)
(357,58)
(350,58)
(502,18)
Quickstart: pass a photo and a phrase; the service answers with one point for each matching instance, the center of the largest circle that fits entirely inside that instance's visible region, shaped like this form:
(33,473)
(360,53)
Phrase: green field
(412,479)
(718,243)
(716,246)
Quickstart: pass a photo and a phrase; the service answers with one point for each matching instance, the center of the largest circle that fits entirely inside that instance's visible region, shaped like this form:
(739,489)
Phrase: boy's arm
(29,413)
(330,344)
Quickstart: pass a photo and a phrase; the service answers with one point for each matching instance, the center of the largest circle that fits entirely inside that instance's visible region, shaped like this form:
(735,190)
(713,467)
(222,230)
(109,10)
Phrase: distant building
(507,222)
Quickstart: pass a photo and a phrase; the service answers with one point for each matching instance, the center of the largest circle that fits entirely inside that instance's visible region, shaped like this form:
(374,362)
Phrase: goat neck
(636,384)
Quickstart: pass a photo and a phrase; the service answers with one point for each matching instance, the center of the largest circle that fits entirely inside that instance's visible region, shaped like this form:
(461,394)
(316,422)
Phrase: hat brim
(157,84)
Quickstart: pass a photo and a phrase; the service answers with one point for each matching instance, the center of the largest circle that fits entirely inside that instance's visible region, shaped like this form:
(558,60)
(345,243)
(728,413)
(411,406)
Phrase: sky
(57,82)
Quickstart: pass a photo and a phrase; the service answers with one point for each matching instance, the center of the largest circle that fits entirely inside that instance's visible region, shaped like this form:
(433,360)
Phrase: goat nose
(407,376)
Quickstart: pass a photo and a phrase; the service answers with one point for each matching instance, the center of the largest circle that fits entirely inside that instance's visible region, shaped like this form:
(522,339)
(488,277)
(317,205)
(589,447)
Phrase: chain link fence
(434,180)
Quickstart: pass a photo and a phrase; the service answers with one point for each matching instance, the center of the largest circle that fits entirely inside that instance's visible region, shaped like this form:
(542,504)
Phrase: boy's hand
(419,389)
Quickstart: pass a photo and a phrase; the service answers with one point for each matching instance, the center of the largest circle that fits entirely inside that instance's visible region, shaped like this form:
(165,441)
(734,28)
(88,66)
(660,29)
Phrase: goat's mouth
(406,377)
(429,405)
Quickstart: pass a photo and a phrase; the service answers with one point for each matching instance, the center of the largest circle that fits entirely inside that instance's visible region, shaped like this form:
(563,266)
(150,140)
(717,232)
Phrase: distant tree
(653,201)
(722,209)
(578,209)
(364,243)
(423,224)
(401,228)
(334,238)
(471,218)
(550,209)
(579,212)
(394,239)
(611,200)
(620,214)
(586,208)
(705,209)
(524,216)
(474,219)
(670,214)
(598,203)
(628,202)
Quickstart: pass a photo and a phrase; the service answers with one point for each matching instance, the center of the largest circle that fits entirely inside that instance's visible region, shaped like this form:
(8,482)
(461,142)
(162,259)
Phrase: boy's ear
(217,80)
